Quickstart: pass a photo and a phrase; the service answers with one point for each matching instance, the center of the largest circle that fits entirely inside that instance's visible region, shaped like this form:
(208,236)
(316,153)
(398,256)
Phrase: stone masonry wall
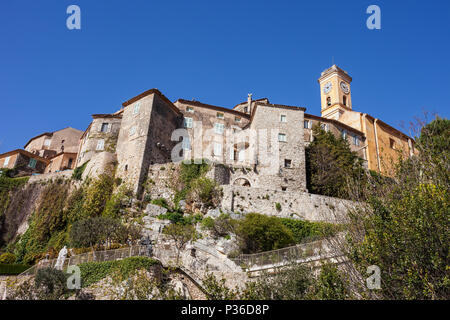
(296,205)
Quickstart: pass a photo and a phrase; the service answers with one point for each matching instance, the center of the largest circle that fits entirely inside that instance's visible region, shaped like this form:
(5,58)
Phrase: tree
(88,232)
(405,227)
(181,235)
(330,284)
(329,164)
(50,283)
(293,282)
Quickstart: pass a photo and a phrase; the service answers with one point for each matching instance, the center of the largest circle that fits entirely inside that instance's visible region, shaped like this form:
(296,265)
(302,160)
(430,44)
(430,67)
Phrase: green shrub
(117,202)
(302,230)
(97,194)
(178,217)
(92,272)
(206,192)
(160,202)
(12,269)
(188,173)
(208,223)
(222,226)
(88,232)
(259,233)
(7,258)
(278,206)
(50,283)
(78,172)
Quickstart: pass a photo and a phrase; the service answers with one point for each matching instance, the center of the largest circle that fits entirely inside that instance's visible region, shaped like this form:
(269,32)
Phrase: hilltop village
(201,188)
(150,130)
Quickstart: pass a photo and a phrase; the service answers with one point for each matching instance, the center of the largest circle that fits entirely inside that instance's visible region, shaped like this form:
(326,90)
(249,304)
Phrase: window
(105,127)
(186,143)
(283,118)
(190,109)
(344,99)
(344,134)
(6,161)
(245,109)
(328,101)
(218,128)
(324,126)
(137,106)
(126,167)
(100,144)
(132,130)
(356,140)
(47,142)
(282,137)
(32,163)
(392,143)
(237,119)
(287,163)
(232,157)
(217,149)
(220,115)
(306,124)
(283,188)
(241,155)
(70,163)
(188,122)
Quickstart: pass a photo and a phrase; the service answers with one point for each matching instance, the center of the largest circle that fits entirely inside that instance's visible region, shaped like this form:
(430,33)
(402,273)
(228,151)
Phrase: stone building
(48,144)
(100,137)
(145,136)
(255,144)
(24,162)
(61,161)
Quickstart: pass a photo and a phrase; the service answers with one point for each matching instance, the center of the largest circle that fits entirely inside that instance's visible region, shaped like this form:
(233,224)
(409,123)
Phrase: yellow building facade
(383,144)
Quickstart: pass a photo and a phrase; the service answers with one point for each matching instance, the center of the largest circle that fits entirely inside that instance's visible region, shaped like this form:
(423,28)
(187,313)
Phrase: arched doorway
(243,182)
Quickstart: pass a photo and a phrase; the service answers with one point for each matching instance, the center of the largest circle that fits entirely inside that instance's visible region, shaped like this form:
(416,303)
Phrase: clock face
(345,87)
(327,87)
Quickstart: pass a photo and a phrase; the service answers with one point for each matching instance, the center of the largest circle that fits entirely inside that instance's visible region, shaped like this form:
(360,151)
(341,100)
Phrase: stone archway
(243,182)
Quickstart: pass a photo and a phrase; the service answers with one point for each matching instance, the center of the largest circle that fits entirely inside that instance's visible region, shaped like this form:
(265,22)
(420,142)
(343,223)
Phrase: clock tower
(335,92)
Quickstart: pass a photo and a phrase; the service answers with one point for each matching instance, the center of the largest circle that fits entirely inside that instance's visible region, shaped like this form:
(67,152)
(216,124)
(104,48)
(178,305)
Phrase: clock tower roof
(335,69)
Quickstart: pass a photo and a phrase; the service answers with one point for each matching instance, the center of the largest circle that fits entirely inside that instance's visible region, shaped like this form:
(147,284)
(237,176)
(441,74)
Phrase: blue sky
(215,52)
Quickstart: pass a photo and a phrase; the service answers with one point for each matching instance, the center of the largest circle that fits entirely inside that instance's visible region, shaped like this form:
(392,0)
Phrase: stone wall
(88,144)
(160,181)
(296,205)
(145,138)
(67,174)
(280,164)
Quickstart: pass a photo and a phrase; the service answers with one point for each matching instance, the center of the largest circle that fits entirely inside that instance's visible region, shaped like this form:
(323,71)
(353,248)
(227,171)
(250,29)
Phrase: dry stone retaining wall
(297,205)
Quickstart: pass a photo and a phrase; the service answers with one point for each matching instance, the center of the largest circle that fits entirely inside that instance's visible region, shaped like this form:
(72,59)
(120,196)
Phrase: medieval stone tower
(335,92)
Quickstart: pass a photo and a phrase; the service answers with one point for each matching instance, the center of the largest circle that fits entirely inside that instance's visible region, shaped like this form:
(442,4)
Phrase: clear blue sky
(215,52)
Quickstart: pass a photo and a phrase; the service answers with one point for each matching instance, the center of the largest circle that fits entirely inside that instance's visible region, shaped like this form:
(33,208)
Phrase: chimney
(249,102)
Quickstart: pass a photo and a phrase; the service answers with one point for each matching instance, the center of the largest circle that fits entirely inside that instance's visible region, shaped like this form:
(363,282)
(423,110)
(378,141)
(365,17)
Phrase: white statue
(61,258)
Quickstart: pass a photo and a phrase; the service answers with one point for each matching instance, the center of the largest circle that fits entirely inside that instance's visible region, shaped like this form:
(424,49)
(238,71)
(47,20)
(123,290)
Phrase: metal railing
(280,256)
(93,256)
